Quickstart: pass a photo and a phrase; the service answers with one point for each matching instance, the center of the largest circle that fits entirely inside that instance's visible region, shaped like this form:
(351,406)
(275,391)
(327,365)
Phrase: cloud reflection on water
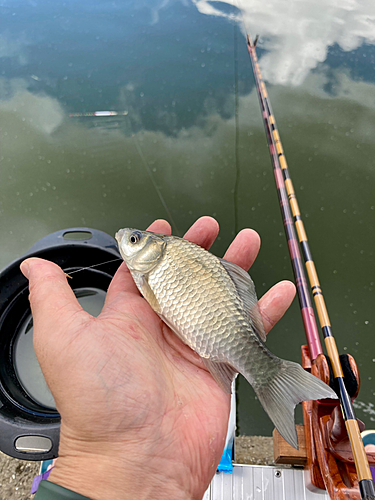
(47,156)
(298,35)
(41,111)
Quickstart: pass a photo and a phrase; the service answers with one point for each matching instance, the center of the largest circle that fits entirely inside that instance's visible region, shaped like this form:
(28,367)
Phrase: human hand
(141,417)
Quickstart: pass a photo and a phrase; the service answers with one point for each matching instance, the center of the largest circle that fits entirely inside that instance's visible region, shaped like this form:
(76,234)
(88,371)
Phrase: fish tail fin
(279,395)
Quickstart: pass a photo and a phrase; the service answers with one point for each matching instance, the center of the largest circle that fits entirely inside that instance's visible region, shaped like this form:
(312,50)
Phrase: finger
(51,298)
(122,281)
(160,226)
(244,249)
(275,303)
(203,232)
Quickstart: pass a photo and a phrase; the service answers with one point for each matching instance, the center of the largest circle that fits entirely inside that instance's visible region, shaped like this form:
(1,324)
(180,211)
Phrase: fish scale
(201,313)
(212,306)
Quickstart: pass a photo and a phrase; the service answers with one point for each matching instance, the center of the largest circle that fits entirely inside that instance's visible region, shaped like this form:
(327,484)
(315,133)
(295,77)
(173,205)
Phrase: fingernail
(25,269)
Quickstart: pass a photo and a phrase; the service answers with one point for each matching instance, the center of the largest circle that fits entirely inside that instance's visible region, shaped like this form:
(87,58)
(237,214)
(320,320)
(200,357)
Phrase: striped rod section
(307,311)
(292,217)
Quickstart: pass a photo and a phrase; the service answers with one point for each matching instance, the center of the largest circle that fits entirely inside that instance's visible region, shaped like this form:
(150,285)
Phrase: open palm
(138,408)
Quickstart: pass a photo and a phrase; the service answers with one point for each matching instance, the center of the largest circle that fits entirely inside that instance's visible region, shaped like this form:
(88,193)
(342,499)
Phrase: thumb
(52,300)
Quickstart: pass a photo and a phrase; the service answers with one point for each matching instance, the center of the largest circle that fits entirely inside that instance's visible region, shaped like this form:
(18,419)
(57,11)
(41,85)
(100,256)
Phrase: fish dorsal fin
(246,290)
(222,373)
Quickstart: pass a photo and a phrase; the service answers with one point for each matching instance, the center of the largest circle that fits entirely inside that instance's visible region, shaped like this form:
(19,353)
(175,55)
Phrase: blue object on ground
(226,464)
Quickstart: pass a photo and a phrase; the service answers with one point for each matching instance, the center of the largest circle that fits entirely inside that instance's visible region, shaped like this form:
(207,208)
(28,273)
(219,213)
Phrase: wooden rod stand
(329,456)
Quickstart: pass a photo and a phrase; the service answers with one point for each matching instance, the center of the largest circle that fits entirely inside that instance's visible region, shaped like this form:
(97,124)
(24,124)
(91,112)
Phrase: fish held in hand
(212,306)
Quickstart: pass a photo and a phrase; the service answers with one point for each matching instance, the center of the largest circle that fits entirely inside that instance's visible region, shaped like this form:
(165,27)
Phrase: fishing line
(237,130)
(148,170)
(160,197)
(95,265)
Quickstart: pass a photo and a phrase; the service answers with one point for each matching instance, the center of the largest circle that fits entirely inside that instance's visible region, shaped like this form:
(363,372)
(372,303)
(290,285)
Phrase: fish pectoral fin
(147,293)
(222,373)
(246,290)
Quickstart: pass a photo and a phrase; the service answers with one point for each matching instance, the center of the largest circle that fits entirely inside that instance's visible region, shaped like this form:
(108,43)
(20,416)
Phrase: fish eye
(135,237)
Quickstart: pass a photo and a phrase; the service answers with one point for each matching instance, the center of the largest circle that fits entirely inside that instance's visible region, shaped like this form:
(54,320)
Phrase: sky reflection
(297,36)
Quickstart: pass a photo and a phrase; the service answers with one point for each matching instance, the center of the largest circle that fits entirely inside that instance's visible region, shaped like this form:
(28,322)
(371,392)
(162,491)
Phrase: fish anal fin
(222,373)
(246,290)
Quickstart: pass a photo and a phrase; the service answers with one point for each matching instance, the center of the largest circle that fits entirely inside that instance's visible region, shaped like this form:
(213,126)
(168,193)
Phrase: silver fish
(212,306)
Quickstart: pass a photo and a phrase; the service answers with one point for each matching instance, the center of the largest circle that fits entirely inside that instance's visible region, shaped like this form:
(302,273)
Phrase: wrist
(101,477)
(136,465)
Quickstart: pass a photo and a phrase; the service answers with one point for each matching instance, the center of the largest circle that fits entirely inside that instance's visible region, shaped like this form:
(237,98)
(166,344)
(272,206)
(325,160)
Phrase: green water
(170,68)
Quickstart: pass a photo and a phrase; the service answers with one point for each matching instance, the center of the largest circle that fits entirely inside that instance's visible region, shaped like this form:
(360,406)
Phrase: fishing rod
(292,216)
